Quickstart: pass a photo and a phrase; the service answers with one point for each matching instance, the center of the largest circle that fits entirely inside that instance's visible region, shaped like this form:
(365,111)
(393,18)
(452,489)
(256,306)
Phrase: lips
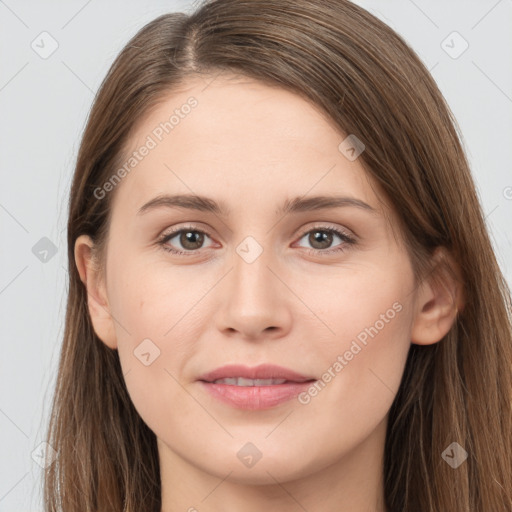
(261,372)
(260,387)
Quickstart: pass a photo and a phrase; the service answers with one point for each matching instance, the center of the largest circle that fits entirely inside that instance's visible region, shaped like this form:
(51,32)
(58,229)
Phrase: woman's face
(267,275)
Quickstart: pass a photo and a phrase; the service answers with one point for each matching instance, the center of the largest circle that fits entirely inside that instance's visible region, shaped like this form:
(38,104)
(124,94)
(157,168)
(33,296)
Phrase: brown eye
(191,240)
(320,239)
(187,241)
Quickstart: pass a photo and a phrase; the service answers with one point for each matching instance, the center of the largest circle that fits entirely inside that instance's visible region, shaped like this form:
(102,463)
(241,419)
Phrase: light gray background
(44,103)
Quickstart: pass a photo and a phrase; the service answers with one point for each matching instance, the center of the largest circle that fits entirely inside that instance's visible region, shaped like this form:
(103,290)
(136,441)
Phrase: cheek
(156,324)
(367,304)
(152,300)
(376,340)
(355,391)
(368,352)
(364,356)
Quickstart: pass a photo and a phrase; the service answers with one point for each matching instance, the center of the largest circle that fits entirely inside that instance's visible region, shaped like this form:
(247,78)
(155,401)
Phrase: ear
(438,299)
(97,301)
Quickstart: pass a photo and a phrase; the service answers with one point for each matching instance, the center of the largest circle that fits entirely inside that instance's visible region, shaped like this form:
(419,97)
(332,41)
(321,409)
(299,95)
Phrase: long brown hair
(371,84)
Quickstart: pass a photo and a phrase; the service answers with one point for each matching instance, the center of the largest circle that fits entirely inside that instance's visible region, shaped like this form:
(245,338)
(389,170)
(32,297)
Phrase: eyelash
(348,240)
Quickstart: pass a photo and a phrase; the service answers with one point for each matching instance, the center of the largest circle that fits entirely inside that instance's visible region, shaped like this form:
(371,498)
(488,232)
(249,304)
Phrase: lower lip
(256,397)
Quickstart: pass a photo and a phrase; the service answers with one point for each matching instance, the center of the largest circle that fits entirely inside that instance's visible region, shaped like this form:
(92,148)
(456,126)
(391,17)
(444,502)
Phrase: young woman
(282,293)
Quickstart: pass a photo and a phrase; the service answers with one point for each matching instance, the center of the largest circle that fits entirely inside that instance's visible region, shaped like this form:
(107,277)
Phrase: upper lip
(263,371)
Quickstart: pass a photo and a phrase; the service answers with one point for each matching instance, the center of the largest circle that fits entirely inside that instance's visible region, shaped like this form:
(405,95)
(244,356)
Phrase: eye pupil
(324,237)
(188,237)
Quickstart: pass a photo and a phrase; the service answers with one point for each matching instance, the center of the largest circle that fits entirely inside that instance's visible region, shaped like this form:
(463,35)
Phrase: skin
(251,147)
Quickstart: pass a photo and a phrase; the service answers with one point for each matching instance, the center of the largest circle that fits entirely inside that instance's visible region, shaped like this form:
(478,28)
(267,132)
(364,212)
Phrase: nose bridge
(255,300)
(251,274)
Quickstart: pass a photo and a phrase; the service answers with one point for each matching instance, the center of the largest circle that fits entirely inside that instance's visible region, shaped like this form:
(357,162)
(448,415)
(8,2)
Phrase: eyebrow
(295,205)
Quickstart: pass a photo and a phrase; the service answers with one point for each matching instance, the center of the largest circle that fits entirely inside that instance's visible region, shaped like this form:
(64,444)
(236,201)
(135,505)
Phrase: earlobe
(439,299)
(97,301)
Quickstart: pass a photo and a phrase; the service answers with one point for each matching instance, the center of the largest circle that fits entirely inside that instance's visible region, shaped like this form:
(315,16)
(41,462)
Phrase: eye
(322,237)
(190,238)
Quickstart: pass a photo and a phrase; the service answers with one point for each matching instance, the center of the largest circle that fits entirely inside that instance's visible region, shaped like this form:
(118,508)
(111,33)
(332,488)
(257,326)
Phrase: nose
(255,304)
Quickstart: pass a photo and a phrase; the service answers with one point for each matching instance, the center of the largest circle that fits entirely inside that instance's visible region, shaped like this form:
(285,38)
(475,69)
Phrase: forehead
(235,136)
(242,112)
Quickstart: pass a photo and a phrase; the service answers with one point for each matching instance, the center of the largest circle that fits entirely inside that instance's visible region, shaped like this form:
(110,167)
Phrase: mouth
(241,381)
(261,387)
